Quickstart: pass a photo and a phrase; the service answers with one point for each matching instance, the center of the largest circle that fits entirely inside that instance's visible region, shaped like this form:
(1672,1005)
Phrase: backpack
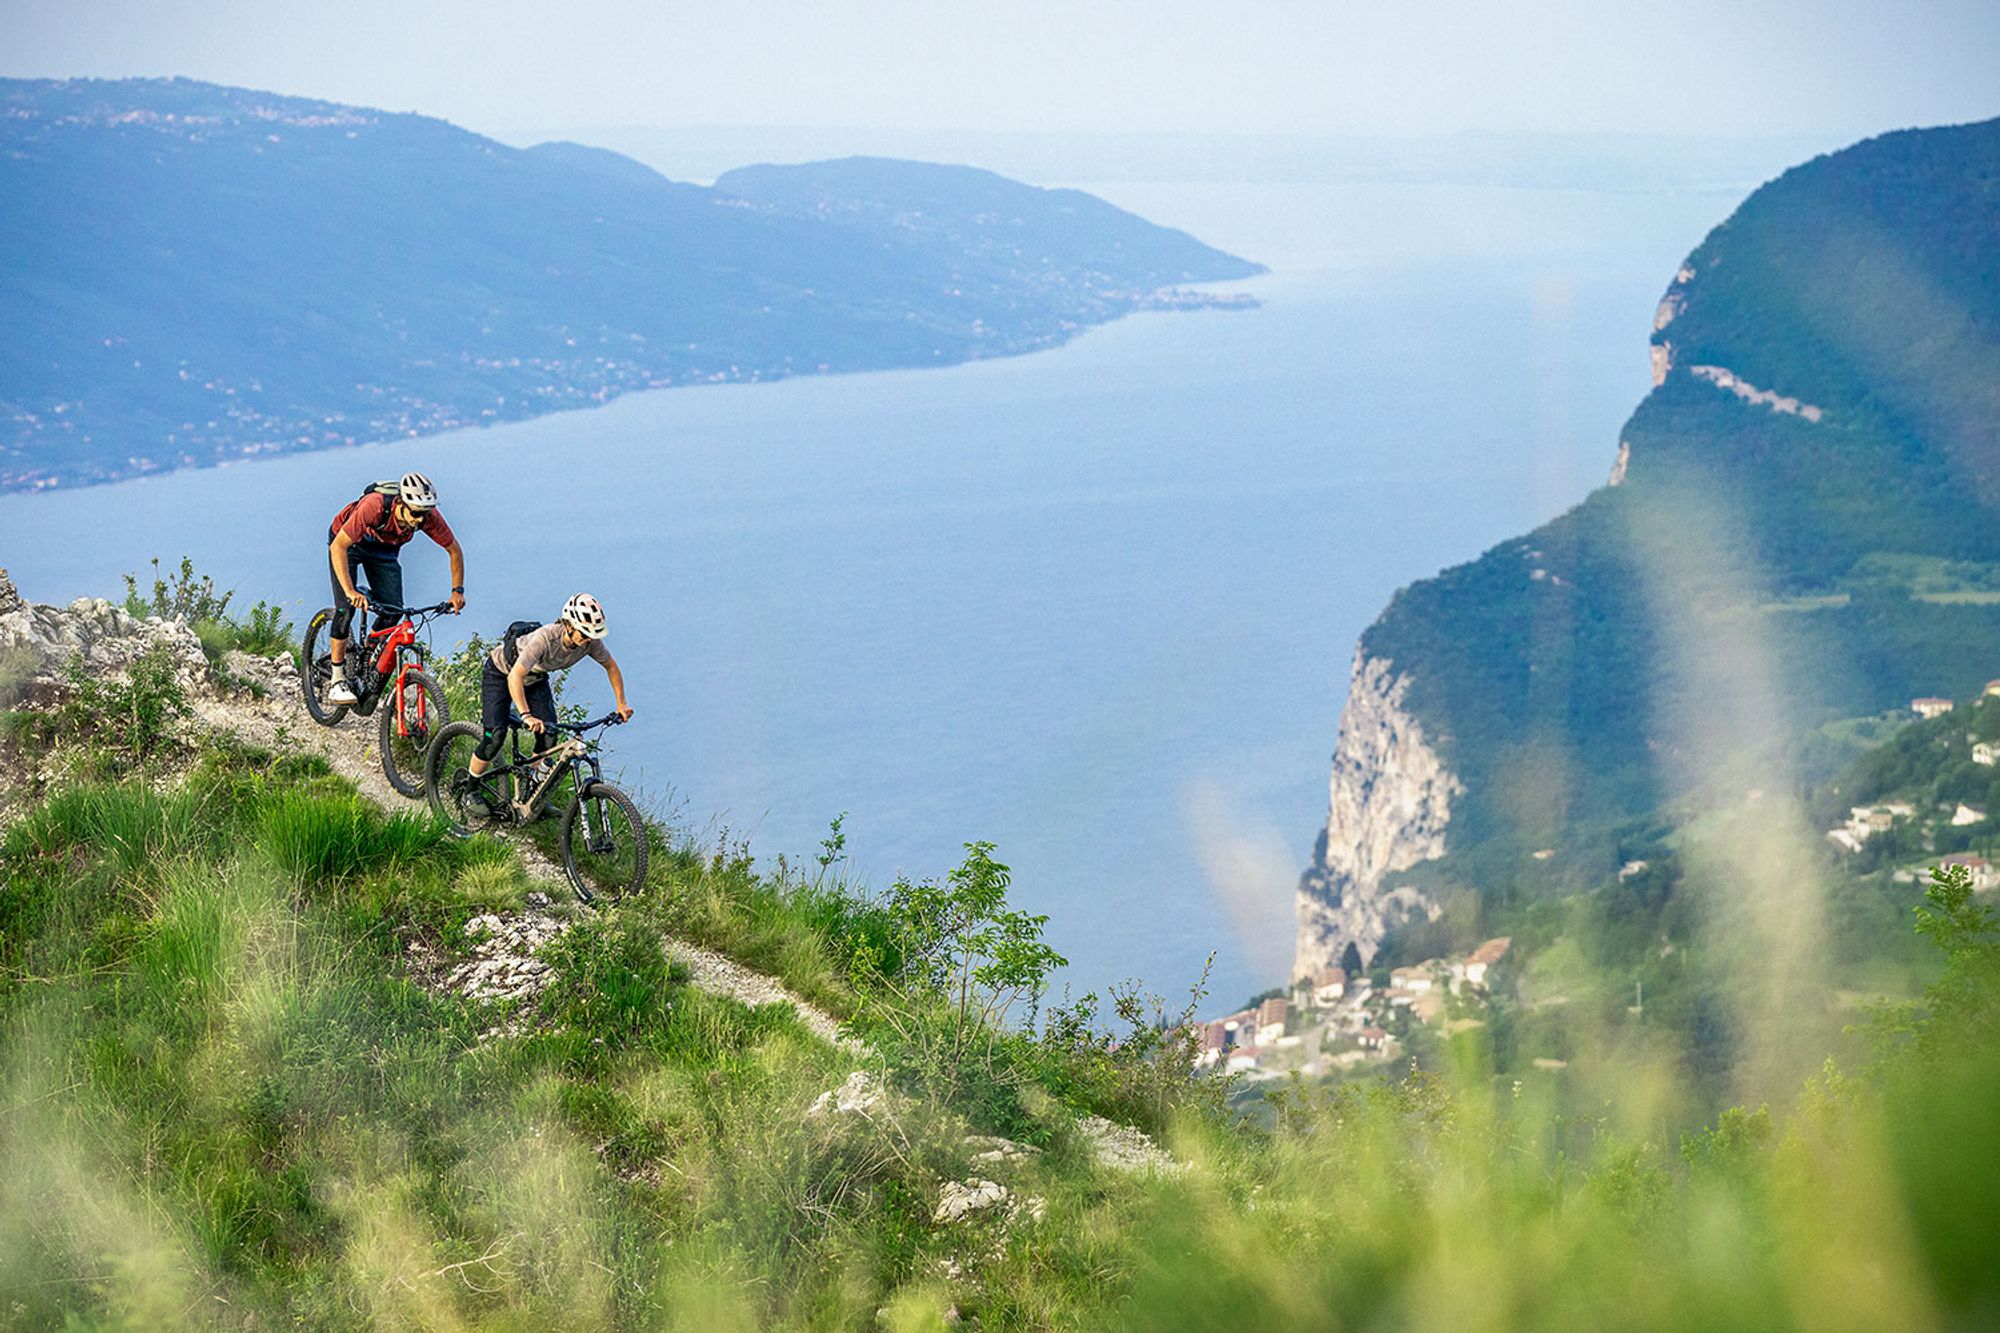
(392,489)
(510,645)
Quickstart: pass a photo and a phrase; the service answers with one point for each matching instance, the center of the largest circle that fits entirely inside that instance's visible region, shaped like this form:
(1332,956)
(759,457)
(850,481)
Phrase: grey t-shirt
(544,651)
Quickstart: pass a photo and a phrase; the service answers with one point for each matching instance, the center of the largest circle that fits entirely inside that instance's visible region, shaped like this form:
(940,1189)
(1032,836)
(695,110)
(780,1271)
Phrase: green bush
(193,598)
(612,980)
(128,720)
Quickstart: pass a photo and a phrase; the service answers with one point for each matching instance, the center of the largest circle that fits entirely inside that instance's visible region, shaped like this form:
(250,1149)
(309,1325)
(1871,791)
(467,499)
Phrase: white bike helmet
(416,491)
(583,612)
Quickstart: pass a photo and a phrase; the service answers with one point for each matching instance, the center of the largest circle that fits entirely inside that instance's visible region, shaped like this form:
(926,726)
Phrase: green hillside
(192,273)
(1854,550)
(240,1089)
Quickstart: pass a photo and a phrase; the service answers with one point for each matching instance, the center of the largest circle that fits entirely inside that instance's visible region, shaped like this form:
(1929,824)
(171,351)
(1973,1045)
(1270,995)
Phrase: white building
(1482,960)
(1272,1016)
(1415,980)
(1984,877)
(1930,707)
(1986,752)
(1968,814)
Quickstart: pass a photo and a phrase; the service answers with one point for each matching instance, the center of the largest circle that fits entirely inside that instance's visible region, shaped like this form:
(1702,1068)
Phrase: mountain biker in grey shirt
(524,683)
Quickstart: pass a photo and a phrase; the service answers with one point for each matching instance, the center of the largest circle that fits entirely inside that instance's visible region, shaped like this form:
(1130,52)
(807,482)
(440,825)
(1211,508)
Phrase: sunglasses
(416,517)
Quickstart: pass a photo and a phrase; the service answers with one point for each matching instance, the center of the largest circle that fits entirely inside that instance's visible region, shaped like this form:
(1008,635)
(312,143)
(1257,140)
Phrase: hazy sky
(1835,67)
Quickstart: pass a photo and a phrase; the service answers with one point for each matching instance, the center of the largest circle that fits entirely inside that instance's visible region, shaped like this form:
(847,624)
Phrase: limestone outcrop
(1390,801)
(38,642)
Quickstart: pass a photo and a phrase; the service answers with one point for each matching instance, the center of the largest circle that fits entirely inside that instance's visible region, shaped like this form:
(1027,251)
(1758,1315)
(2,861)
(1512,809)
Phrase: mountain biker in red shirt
(368,536)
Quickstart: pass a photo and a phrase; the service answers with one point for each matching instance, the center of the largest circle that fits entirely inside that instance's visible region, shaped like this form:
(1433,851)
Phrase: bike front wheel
(317,672)
(416,712)
(466,803)
(603,842)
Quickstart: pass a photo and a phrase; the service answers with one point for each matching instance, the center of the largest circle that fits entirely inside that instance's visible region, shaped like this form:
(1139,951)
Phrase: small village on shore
(1340,1019)
(1333,1022)
(1911,829)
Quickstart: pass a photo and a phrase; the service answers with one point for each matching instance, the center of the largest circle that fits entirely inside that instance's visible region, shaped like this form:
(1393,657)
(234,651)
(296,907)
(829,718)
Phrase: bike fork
(402,706)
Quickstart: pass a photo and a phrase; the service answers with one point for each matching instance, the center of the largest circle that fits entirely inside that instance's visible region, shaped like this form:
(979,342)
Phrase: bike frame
(571,755)
(401,654)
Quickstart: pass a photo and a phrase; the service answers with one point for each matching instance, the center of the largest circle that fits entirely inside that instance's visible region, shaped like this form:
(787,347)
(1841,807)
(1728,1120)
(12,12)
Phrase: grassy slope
(226,1105)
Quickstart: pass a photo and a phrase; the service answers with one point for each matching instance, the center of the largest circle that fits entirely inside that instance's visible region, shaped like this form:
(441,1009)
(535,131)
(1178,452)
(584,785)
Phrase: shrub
(1147,1074)
(188,597)
(612,979)
(192,597)
(963,960)
(128,718)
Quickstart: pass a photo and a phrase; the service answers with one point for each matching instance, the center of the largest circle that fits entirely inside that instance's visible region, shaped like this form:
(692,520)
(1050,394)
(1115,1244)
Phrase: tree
(967,959)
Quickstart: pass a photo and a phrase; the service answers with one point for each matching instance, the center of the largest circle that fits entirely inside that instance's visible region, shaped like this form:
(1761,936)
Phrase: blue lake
(1095,605)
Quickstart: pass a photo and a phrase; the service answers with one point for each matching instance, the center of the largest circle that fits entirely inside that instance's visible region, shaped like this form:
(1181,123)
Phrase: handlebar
(390,609)
(610,719)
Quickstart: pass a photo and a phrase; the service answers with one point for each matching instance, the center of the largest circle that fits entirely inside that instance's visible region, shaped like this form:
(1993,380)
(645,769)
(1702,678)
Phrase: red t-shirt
(372,519)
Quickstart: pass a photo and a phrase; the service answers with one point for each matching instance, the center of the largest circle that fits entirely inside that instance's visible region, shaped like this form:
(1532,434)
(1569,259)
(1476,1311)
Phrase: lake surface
(1095,605)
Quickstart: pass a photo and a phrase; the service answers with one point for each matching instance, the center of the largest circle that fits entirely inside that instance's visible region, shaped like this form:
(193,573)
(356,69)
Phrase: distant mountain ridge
(192,273)
(1800,528)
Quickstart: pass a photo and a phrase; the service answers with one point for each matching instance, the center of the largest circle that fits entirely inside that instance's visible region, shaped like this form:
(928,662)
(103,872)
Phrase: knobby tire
(316,671)
(404,756)
(620,871)
(449,750)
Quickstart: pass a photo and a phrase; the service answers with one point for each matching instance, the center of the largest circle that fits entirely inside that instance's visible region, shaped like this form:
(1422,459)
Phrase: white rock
(1390,801)
(961,1200)
(860,1095)
(105,637)
(1123,1148)
(993,1148)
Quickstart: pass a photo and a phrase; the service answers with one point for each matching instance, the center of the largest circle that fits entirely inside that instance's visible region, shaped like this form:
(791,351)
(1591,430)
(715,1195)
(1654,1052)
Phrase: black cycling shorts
(495,704)
(384,583)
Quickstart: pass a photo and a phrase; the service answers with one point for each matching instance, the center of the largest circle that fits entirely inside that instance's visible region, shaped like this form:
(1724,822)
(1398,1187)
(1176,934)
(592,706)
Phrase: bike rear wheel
(316,671)
(603,842)
(466,803)
(414,715)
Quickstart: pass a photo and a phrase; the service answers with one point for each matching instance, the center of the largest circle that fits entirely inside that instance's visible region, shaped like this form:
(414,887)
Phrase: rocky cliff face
(1390,802)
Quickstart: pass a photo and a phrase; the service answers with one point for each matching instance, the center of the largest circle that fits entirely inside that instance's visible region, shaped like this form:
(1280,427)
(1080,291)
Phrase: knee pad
(343,621)
(489,745)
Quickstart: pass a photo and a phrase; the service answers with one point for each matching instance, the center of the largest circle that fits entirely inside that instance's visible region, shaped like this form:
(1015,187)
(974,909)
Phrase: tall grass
(327,837)
(224,1102)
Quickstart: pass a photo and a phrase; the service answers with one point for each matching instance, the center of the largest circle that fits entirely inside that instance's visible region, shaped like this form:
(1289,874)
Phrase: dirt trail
(504,966)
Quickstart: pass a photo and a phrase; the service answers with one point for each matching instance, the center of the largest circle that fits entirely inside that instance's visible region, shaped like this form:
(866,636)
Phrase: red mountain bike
(416,710)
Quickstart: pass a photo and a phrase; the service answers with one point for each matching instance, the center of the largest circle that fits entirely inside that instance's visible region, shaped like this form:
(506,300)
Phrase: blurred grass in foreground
(223,1105)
